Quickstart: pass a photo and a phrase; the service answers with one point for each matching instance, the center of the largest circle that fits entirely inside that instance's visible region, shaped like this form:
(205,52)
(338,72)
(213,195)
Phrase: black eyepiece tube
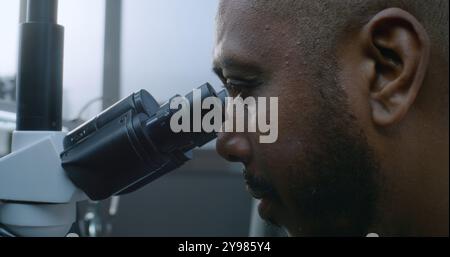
(42,11)
(40,69)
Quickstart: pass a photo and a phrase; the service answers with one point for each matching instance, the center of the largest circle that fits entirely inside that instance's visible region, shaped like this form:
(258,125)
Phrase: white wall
(9,34)
(167,46)
(83,21)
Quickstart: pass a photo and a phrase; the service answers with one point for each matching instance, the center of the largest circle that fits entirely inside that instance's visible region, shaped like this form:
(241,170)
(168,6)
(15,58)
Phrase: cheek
(287,154)
(356,83)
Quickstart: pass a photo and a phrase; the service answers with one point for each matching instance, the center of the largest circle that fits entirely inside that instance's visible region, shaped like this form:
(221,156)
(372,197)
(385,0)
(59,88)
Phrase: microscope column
(42,202)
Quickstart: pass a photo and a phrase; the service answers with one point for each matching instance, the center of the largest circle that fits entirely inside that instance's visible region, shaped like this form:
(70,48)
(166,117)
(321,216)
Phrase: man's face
(318,178)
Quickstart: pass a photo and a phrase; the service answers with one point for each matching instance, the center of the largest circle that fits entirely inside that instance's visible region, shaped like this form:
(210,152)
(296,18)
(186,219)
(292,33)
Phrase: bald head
(328,19)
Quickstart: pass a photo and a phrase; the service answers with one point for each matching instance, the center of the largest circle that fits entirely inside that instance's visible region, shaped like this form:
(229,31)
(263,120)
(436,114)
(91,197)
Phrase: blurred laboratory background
(116,47)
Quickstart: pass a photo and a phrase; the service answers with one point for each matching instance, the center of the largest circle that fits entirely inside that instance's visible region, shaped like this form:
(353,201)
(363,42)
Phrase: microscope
(117,152)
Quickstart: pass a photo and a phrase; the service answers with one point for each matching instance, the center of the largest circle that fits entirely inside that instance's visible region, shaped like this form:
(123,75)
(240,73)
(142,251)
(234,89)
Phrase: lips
(260,189)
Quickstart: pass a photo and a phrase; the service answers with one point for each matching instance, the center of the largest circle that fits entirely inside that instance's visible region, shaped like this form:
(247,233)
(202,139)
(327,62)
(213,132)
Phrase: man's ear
(398,47)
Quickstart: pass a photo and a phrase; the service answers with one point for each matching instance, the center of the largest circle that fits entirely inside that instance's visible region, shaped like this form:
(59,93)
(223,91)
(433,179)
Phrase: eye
(241,87)
(232,88)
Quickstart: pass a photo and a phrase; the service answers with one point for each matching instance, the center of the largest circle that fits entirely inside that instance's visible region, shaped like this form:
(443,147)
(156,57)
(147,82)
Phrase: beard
(337,188)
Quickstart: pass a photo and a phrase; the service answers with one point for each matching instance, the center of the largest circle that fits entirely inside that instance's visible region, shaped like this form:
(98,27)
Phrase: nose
(234,147)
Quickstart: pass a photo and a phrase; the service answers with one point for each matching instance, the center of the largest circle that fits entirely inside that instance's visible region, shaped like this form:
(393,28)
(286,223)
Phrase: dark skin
(388,122)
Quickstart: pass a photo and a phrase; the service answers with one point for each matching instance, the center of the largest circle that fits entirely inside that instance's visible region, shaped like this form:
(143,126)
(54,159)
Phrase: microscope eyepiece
(131,144)
(139,102)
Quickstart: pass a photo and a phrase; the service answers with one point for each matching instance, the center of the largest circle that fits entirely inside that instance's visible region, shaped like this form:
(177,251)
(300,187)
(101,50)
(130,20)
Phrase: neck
(414,200)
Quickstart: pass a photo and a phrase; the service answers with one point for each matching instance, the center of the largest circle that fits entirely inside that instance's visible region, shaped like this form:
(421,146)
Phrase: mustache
(258,184)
